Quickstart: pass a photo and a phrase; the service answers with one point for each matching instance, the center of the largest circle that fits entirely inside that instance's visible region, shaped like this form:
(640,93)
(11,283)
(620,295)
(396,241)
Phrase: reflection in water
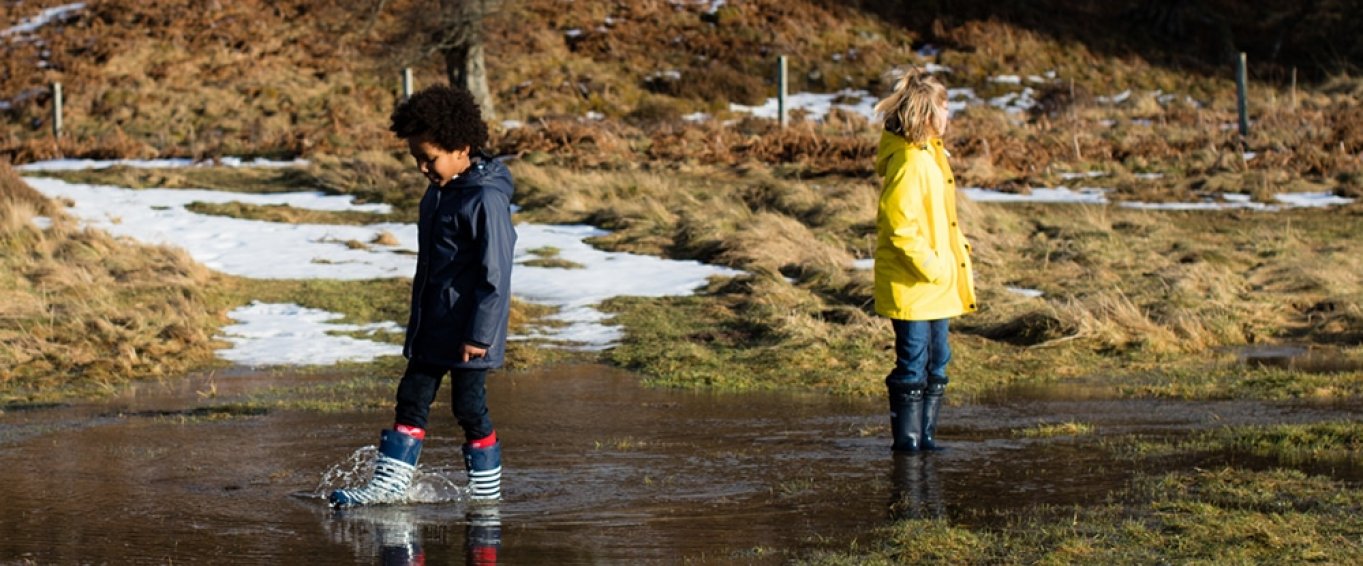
(393,534)
(389,533)
(915,489)
(483,538)
(1309,359)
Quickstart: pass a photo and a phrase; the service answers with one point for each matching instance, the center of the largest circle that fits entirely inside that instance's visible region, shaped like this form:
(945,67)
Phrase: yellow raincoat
(922,261)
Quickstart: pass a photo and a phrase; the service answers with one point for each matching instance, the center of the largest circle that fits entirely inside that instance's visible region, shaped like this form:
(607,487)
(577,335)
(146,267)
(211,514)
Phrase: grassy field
(1146,302)
(1143,302)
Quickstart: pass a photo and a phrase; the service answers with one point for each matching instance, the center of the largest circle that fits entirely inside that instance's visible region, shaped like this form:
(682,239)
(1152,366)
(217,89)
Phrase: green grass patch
(369,387)
(254,180)
(547,256)
(1052,430)
(286,214)
(1314,444)
(723,339)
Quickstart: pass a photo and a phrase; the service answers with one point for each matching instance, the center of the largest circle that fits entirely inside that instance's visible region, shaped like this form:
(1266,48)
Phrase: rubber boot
(906,417)
(932,405)
(398,454)
(484,466)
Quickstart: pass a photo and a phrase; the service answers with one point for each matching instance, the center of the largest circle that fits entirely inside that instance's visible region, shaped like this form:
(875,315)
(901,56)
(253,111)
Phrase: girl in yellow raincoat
(922,260)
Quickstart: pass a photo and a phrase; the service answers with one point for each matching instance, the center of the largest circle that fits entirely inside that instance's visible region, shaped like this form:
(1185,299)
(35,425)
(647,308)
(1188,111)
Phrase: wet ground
(598,470)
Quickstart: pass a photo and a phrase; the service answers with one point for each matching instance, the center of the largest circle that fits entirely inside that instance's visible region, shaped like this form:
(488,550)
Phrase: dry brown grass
(1128,286)
(294,77)
(84,311)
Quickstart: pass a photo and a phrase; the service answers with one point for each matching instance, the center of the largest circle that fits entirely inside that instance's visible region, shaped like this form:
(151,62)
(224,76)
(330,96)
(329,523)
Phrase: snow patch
(287,334)
(268,250)
(43,18)
(172,163)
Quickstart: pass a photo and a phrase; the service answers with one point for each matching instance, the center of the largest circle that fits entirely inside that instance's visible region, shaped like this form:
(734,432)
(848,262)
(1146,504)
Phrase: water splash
(429,484)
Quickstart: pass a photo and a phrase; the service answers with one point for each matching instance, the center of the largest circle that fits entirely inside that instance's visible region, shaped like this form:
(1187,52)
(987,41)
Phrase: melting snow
(268,250)
(43,18)
(285,334)
(1091,195)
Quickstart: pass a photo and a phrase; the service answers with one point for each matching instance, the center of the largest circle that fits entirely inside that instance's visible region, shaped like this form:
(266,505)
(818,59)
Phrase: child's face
(436,163)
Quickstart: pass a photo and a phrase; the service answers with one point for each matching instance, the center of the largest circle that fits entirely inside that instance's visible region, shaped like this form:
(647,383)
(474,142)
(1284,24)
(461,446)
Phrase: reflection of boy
(461,294)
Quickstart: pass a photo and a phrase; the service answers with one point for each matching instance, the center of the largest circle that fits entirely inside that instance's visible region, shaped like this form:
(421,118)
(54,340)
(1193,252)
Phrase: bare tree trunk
(463,50)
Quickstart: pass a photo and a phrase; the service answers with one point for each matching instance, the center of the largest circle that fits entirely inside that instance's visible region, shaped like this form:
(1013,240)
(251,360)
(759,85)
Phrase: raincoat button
(962,265)
(951,181)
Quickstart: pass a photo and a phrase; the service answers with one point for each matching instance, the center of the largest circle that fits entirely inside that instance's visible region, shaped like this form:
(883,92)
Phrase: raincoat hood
(487,173)
(890,144)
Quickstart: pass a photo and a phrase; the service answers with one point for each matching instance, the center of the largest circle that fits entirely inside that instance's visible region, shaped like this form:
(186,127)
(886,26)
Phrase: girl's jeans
(921,354)
(468,395)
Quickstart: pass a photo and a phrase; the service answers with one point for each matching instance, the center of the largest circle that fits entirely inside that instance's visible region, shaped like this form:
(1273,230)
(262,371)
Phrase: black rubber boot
(906,417)
(932,406)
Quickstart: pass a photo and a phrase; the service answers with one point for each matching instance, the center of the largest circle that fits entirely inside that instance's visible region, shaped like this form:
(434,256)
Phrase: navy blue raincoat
(462,289)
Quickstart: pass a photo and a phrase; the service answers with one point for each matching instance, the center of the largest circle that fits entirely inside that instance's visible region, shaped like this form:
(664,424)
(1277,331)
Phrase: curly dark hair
(448,115)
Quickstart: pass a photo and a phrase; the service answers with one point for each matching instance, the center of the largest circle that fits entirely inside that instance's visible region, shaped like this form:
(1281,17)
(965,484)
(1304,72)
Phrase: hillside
(298,78)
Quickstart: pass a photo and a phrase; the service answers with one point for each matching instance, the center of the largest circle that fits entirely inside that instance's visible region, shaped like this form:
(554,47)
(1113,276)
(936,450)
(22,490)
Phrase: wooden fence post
(57,110)
(781,90)
(1241,78)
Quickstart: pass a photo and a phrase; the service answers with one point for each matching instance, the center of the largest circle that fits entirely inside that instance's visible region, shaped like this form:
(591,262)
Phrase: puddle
(1300,358)
(598,469)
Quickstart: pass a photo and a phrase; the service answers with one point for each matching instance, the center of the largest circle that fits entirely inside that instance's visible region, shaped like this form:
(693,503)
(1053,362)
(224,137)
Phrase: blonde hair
(917,103)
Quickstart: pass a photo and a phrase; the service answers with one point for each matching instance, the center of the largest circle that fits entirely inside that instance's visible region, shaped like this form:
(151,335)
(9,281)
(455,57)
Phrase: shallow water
(598,469)
(1298,357)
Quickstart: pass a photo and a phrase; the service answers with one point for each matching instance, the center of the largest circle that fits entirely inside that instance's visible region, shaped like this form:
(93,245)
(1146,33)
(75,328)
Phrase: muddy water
(598,470)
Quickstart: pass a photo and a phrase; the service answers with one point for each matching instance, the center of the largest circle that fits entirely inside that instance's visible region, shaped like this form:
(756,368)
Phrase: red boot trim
(414,432)
(484,442)
(483,556)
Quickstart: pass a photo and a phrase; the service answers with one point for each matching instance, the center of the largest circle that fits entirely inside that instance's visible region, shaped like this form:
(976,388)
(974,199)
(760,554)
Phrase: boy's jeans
(921,353)
(468,395)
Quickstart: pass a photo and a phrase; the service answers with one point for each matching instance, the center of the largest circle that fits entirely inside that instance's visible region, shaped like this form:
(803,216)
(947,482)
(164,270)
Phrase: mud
(598,469)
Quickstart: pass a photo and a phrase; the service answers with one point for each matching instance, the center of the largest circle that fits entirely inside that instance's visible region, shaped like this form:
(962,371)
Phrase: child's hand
(472,352)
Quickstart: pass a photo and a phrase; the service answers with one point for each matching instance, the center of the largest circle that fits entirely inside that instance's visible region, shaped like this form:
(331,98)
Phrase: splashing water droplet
(429,484)
(354,471)
(433,485)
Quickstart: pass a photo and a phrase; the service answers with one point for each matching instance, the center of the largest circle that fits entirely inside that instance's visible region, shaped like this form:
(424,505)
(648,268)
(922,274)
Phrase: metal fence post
(406,83)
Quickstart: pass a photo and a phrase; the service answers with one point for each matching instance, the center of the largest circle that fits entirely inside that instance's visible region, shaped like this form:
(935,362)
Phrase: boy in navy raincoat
(461,294)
